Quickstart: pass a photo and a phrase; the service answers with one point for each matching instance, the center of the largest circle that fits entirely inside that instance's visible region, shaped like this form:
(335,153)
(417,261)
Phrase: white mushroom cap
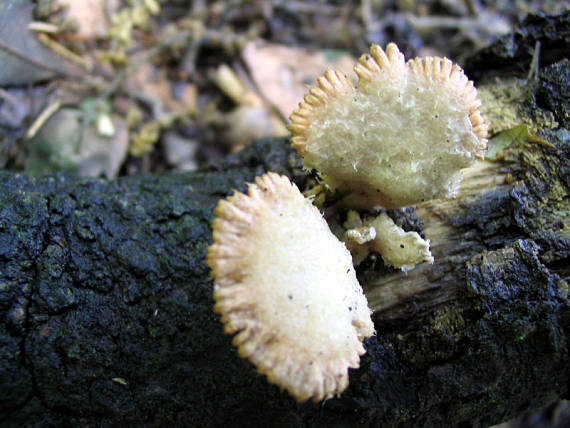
(286,285)
(401,136)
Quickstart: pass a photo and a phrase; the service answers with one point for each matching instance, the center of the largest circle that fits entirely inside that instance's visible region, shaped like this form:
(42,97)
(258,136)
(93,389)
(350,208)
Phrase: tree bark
(106,302)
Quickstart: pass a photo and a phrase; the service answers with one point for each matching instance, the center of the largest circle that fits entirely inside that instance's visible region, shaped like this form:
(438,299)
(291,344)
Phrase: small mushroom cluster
(283,283)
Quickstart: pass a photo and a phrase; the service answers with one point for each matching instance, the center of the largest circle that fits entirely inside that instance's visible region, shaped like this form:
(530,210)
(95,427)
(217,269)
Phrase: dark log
(513,53)
(106,302)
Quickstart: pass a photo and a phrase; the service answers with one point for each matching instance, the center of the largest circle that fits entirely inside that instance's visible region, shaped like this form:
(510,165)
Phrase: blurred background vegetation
(107,88)
(104,88)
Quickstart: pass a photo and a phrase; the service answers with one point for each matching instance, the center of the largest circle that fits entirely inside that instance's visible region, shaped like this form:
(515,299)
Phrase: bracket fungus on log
(286,285)
(397,138)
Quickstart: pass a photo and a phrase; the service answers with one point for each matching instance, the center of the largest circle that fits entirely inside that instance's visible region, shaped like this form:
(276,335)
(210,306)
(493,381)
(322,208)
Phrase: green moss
(447,320)
(510,102)
(528,139)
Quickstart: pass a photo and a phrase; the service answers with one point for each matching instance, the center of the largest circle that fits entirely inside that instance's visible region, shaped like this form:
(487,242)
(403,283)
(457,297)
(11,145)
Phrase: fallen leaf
(179,151)
(16,105)
(252,118)
(282,73)
(250,123)
(23,58)
(517,135)
(154,83)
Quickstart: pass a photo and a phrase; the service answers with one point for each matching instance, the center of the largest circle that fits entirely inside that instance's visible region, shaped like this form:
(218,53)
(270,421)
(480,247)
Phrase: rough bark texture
(513,53)
(105,300)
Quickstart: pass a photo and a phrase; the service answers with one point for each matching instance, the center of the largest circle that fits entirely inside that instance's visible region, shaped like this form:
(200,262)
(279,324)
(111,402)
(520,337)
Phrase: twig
(8,97)
(533,71)
(42,119)
(64,52)
(43,27)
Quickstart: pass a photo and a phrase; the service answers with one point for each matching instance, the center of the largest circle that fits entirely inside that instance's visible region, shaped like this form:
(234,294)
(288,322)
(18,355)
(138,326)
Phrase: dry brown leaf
(282,73)
(89,15)
(252,118)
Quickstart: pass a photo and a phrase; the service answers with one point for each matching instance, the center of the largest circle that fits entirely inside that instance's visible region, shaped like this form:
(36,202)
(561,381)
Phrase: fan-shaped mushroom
(285,285)
(397,138)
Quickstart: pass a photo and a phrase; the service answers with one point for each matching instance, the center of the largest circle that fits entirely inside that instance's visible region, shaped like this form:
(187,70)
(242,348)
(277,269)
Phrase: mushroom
(286,287)
(400,249)
(398,137)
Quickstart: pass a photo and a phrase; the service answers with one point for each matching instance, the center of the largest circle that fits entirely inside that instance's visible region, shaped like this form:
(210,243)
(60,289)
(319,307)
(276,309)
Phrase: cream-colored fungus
(398,248)
(286,287)
(398,137)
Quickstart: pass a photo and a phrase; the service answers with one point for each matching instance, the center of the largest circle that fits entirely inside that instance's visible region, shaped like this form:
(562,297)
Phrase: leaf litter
(108,88)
